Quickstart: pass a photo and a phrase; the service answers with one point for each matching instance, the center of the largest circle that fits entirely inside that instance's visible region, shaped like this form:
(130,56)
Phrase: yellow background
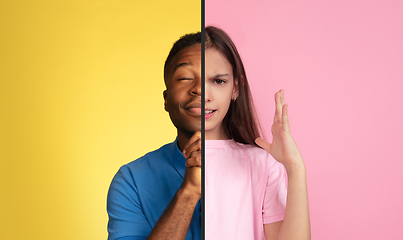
(80,95)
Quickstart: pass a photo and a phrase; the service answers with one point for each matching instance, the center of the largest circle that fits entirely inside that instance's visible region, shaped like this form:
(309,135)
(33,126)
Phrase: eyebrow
(221,75)
(182,65)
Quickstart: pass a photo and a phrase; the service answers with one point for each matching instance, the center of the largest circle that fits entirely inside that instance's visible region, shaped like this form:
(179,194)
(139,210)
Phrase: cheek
(225,98)
(176,95)
(172,101)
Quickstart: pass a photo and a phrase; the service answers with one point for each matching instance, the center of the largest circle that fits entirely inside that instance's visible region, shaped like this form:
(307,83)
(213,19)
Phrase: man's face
(183,94)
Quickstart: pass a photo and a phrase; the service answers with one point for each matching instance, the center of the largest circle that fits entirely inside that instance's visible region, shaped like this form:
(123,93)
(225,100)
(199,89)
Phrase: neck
(183,138)
(215,135)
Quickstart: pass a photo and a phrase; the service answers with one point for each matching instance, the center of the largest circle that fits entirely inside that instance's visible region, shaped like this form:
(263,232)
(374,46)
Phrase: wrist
(188,193)
(295,166)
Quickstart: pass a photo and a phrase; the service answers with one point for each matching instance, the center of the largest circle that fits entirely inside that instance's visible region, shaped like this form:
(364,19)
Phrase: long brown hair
(240,123)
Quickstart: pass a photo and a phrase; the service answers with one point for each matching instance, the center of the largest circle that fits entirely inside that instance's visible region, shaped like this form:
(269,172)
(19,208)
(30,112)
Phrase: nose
(196,88)
(206,92)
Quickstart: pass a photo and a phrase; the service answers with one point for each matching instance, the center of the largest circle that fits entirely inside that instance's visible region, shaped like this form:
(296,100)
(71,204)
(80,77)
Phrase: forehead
(216,62)
(191,53)
(189,56)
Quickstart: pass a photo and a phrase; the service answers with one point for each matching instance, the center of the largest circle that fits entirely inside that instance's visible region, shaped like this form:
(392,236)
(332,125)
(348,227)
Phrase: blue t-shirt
(141,191)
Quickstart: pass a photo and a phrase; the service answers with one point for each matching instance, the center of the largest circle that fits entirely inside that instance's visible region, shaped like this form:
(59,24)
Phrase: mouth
(194,111)
(208,113)
(194,108)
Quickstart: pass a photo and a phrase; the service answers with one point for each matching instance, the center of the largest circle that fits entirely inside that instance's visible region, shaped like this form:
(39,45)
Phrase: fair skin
(220,91)
(183,102)
(296,223)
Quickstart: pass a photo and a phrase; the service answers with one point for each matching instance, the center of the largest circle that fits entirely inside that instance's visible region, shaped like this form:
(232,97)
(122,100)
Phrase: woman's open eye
(219,81)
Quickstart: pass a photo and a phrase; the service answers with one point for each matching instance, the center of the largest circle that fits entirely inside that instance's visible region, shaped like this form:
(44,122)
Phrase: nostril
(196,90)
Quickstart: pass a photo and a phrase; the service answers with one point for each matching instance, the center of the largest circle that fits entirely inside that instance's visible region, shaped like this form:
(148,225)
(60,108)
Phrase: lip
(209,115)
(194,108)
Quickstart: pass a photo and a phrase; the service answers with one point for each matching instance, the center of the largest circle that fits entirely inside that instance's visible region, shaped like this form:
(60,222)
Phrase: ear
(164,93)
(235,91)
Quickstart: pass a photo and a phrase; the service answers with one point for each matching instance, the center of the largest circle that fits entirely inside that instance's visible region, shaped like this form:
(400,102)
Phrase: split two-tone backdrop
(81,94)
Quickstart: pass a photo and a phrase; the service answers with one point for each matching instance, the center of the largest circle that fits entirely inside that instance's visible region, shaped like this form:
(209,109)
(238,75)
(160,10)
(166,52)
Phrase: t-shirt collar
(178,160)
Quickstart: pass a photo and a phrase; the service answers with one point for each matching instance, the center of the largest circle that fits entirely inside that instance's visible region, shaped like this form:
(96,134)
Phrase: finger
(285,121)
(195,154)
(281,93)
(263,143)
(196,136)
(278,113)
(194,161)
(195,146)
(281,97)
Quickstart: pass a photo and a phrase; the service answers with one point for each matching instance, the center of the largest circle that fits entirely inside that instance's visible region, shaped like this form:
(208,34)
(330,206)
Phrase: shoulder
(257,155)
(160,153)
(153,158)
(251,149)
(141,167)
(134,191)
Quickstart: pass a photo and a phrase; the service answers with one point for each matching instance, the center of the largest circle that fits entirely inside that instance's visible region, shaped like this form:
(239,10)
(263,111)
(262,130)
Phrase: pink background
(341,65)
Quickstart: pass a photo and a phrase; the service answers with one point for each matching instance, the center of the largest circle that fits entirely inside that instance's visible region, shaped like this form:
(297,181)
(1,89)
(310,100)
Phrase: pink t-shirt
(245,188)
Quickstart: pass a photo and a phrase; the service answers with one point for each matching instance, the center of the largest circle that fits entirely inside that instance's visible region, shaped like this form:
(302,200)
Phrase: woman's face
(220,90)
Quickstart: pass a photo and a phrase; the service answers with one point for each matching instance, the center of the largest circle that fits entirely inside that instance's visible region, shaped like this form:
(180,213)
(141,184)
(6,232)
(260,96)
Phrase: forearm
(175,221)
(296,223)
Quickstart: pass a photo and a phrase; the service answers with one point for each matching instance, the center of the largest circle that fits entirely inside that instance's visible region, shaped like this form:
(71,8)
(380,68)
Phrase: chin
(209,127)
(189,129)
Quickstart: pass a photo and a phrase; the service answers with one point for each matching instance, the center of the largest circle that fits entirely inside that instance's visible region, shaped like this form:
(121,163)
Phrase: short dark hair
(183,42)
(240,123)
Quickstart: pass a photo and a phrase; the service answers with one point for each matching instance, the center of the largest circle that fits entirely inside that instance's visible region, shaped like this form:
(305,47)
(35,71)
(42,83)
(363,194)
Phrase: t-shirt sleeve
(126,216)
(275,197)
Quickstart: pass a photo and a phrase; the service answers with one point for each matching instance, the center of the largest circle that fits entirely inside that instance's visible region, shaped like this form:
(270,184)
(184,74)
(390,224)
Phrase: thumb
(263,143)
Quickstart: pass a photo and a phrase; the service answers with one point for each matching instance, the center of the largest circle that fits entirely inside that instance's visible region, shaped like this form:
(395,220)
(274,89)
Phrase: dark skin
(183,103)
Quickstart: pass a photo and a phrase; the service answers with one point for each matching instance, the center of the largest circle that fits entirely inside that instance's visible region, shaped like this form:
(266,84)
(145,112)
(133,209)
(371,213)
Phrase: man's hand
(192,152)
(174,223)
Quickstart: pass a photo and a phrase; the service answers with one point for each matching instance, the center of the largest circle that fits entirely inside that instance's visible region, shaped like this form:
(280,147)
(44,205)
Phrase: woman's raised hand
(283,148)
